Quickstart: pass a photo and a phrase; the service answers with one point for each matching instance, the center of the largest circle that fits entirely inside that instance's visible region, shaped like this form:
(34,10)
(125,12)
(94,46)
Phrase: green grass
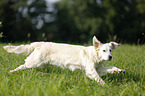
(63,82)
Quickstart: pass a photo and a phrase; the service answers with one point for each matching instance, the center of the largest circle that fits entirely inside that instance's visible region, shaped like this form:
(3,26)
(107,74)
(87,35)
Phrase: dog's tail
(22,49)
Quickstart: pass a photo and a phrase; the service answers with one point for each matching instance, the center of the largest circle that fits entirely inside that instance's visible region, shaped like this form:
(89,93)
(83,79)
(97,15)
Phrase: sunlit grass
(62,82)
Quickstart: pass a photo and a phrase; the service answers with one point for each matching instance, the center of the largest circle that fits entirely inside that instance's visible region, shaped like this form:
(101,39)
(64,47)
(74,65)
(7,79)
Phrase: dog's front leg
(92,74)
(111,69)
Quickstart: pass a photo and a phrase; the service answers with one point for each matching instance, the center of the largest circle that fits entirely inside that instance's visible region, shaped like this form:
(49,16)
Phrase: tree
(120,20)
(21,19)
(83,19)
(128,20)
(75,21)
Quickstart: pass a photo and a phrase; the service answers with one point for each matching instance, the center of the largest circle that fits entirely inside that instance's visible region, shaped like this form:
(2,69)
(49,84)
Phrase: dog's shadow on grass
(115,78)
(120,78)
(55,70)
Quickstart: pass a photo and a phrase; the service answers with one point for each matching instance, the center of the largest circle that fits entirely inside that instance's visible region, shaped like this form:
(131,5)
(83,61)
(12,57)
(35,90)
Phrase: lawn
(62,82)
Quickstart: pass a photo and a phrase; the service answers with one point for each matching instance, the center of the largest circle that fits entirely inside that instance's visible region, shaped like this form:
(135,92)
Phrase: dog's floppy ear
(114,45)
(96,42)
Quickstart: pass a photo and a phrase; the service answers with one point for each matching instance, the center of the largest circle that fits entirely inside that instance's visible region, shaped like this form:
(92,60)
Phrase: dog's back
(63,55)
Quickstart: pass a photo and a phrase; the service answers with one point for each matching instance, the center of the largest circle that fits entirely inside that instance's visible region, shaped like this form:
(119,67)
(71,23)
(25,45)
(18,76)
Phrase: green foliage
(62,82)
(111,18)
(21,18)
(75,21)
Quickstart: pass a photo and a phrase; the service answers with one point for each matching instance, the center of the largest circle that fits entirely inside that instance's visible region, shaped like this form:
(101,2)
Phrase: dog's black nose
(110,57)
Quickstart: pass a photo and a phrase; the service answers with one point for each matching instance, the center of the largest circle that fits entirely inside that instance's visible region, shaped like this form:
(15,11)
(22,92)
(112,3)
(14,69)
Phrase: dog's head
(104,50)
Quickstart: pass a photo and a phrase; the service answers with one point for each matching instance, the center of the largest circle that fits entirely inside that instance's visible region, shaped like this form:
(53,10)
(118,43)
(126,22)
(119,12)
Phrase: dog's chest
(99,64)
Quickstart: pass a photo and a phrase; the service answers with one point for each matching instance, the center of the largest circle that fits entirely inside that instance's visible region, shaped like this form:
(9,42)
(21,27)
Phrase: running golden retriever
(90,59)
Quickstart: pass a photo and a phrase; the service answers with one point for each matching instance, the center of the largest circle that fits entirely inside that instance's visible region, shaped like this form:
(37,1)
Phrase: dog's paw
(122,71)
(101,82)
(11,70)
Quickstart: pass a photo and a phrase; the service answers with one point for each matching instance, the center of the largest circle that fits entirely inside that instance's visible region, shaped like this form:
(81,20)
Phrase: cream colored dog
(91,58)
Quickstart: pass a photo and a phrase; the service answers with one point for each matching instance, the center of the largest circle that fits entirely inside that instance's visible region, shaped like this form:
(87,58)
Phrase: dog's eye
(110,50)
(104,50)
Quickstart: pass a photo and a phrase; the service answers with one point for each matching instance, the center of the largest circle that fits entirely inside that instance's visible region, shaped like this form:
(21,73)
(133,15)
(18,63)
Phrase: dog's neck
(96,59)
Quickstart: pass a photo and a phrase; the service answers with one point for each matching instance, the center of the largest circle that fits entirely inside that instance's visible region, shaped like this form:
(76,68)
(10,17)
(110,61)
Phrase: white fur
(90,59)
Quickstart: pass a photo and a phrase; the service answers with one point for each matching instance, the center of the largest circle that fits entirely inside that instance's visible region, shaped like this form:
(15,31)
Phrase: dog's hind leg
(20,67)
(28,65)
(32,61)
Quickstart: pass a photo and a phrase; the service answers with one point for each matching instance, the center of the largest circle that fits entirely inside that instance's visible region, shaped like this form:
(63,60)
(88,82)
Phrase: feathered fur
(90,59)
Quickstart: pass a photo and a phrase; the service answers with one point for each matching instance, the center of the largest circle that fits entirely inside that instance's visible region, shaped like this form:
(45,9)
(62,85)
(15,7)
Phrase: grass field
(59,82)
